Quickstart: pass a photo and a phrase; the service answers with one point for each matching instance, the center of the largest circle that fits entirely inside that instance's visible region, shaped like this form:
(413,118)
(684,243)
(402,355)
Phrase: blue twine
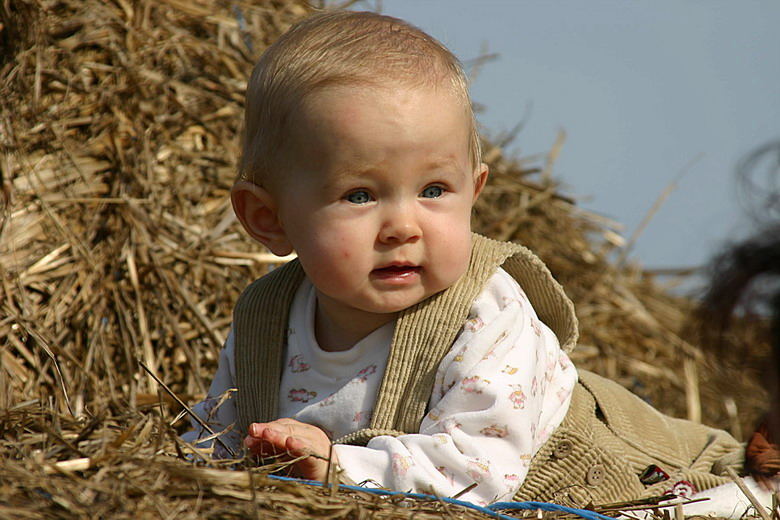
(489,510)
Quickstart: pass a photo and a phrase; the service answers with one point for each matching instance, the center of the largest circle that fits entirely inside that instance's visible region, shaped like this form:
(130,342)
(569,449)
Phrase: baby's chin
(390,307)
(398,301)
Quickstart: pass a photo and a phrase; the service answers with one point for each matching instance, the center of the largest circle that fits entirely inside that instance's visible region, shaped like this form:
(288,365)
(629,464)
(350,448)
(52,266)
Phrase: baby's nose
(401,227)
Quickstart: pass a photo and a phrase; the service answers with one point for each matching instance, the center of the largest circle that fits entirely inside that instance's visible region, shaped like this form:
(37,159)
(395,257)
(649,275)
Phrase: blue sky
(642,88)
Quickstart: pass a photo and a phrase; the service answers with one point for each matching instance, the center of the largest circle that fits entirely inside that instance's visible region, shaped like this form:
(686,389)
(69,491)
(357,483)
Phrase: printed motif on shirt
(301,395)
(564,362)
(550,372)
(491,353)
(363,375)
(501,337)
(477,469)
(459,356)
(401,463)
(449,425)
(525,459)
(495,430)
(512,479)
(473,324)
(536,327)
(517,397)
(362,417)
(441,438)
(297,364)
(474,384)
(328,400)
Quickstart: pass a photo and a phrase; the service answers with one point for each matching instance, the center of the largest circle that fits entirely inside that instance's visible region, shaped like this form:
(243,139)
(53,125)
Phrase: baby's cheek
(455,254)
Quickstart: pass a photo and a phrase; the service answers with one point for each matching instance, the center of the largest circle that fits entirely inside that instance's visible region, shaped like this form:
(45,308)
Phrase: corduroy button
(563,449)
(595,475)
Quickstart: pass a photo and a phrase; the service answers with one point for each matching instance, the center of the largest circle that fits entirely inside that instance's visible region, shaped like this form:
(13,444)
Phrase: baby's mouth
(396,271)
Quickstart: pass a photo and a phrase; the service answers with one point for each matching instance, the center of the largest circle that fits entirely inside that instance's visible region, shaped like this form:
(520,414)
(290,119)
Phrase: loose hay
(119,124)
(126,475)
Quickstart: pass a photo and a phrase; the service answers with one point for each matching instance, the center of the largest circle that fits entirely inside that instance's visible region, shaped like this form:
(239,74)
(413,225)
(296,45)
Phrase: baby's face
(378,199)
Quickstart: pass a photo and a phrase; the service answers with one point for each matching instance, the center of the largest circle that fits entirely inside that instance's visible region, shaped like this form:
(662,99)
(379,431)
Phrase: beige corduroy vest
(607,439)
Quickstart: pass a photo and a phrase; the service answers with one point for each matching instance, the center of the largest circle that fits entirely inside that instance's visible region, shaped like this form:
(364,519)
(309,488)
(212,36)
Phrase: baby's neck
(338,329)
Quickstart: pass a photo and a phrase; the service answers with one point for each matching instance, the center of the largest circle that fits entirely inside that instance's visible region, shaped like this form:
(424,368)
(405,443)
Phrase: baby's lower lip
(398,273)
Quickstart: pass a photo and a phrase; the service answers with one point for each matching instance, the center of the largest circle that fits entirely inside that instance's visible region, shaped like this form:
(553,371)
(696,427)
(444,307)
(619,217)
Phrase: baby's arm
(499,394)
(285,437)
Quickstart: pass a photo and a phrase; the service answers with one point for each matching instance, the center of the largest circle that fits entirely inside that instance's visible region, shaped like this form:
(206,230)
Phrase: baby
(417,355)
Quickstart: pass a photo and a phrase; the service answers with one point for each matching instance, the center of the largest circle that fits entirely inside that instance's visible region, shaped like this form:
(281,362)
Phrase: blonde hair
(339,48)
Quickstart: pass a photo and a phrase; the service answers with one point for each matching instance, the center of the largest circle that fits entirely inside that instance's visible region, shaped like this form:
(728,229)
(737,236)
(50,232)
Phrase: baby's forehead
(381,91)
(376,109)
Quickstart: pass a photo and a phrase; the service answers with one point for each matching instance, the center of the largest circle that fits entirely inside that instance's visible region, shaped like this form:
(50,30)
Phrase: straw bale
(119,126)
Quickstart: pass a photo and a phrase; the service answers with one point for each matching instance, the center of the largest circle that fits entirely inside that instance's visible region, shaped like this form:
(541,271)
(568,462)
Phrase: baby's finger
(257,429)
(267,443)
(255,446)
(296,447)
(276,438)
(312,466)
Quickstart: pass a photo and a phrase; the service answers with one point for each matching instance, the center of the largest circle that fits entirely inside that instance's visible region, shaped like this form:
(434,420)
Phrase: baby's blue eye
(432,192)
(358,197)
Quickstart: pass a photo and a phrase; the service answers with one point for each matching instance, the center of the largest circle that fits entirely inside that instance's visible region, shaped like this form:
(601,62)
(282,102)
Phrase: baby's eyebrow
(355,170)
(347,174)
(442,163)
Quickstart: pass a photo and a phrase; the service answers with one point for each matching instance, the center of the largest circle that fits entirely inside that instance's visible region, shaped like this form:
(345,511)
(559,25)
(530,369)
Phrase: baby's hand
(292,439)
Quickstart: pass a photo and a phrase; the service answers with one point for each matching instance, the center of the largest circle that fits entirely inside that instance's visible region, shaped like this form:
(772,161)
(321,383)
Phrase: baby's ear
(259,214)
(480,178)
